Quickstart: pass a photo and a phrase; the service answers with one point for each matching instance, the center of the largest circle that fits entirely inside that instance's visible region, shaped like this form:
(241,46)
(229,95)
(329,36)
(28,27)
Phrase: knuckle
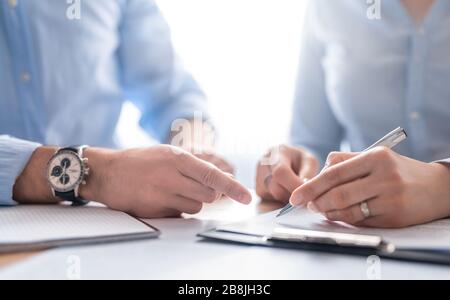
(209,177)
(229,187)
(395,176)
(180,155)
(338,198)
(278,171)
(333,175)
(335,203)
(348,216)
(383,153)
(334,158)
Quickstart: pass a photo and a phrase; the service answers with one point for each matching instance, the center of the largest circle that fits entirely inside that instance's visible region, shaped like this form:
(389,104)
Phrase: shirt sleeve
(444,161)
(314,125)
(14,155)
(152,75)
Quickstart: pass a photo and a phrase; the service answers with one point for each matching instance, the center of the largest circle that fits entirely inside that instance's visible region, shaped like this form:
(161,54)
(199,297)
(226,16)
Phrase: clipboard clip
(294,235)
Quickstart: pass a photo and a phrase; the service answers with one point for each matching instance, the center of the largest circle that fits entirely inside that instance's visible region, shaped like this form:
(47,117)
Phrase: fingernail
(245,198)
(296,199)
(312,207)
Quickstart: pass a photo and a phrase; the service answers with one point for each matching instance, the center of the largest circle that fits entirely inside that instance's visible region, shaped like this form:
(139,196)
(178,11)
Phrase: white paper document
(432,236)
(25,225)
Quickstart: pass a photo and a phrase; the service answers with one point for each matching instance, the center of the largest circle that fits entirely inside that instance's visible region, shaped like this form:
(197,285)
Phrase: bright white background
(244,55)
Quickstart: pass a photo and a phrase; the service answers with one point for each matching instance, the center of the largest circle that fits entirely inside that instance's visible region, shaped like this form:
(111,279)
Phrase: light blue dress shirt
(360,78)
(63,80)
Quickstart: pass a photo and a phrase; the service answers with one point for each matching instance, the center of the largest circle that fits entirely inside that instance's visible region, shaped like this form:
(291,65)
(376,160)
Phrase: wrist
(32,185)
(443,177)
(99,162)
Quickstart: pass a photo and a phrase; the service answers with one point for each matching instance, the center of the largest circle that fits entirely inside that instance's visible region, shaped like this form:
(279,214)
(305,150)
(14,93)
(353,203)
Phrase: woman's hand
(399,191)
(282,170)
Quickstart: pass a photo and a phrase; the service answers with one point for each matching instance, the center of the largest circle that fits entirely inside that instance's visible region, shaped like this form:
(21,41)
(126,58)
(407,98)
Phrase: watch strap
(70,196)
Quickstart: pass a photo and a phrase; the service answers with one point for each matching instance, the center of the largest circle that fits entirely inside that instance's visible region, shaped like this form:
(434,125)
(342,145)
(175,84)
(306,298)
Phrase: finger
(284,175)
(354,168)
(185,205)
(354,215)
(386,221)
(218,161)
(347,195)
(351,215)
(209,175)
(309,167)
(383,221)
(278,192)
(335,158)
(193,190)
(263,179)
(145,212)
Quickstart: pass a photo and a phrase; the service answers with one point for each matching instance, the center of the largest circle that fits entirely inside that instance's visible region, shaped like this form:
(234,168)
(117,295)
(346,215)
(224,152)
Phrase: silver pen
(390,140)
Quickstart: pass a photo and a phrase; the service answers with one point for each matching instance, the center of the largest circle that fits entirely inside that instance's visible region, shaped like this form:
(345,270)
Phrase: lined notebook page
(32,223)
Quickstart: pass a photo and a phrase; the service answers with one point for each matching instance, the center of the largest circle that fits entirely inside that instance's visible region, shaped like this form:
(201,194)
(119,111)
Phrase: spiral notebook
(39,227)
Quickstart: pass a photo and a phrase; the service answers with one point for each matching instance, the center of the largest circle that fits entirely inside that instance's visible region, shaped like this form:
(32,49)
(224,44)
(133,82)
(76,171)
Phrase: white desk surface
(179,254)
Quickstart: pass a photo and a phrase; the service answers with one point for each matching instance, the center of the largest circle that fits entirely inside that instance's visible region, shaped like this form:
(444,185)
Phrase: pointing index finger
(209,175)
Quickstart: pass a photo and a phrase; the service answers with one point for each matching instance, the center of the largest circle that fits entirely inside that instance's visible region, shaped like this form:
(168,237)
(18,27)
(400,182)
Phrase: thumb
(335,158)
(309,167)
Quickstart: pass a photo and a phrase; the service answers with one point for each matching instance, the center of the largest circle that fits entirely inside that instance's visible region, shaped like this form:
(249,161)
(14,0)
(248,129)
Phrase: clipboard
(328,242)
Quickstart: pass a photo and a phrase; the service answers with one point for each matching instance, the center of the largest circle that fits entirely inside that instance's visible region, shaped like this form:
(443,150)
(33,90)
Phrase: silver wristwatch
(66,171)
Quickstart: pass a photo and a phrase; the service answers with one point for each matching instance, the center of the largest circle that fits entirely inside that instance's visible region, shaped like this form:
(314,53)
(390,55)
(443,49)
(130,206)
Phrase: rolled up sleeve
(14,155)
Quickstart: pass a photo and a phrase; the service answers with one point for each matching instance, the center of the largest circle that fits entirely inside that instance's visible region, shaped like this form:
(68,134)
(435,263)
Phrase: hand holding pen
(378,188)
(390,140)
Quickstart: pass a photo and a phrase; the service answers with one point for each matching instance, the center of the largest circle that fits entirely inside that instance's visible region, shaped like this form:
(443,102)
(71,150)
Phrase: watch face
(65,171)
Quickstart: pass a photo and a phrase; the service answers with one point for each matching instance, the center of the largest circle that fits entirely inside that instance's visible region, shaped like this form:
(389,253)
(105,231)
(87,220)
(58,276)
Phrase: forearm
(445,167)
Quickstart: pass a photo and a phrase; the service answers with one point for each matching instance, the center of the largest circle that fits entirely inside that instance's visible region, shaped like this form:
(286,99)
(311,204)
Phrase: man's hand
(217,160)
(292,167)
(198,137)
(161,181)
(399,191)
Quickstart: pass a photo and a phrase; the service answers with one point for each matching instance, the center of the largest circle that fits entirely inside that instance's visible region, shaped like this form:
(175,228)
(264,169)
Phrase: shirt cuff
(14,156)
(443,161)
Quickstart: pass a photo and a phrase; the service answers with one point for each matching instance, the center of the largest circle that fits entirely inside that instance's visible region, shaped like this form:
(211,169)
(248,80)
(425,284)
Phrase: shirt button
(13,3)
(415,116)
(25,77)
